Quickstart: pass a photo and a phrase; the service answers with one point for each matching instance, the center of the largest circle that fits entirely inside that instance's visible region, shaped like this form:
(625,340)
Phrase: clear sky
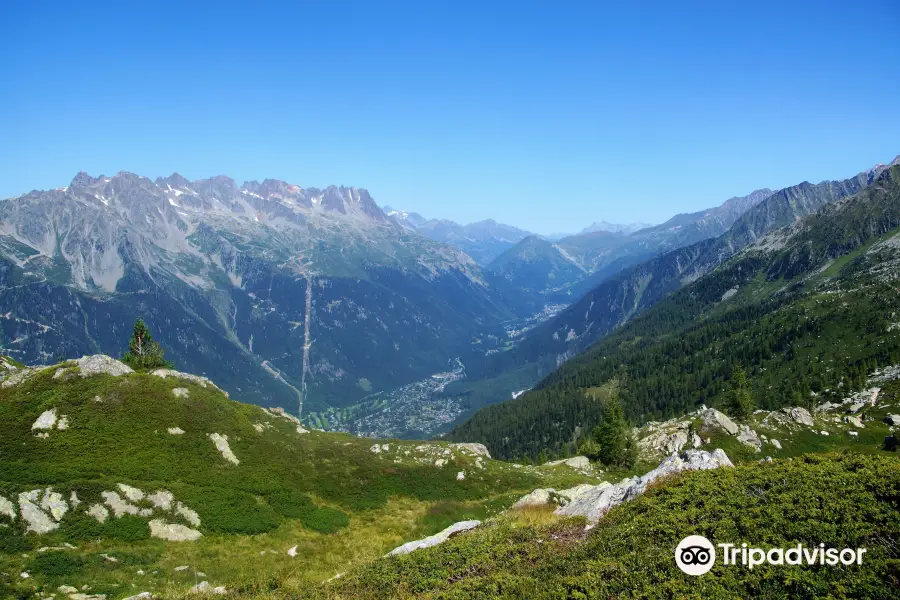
(545,115)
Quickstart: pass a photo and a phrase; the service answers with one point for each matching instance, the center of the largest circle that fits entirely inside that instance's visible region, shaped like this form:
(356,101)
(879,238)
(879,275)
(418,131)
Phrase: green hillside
(809,311)
(95,465)
(839,500)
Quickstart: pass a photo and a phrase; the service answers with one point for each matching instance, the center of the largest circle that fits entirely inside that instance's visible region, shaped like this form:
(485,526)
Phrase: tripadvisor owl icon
(695,555)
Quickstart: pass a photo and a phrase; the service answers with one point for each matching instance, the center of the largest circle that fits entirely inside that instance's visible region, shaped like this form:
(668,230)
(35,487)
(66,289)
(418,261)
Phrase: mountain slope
(483,240)
(808,309)
(628,293)
(270,288)
(123,478)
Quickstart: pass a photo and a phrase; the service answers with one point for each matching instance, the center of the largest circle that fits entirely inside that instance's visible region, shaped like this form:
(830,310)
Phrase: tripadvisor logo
(696,555)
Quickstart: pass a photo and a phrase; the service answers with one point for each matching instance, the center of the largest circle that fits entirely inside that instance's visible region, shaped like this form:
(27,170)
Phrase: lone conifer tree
(612,442)
(740,400)
(143,351)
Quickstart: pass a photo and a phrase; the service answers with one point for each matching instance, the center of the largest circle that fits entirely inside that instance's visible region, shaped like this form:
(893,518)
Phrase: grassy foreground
(328,495)
(841,500)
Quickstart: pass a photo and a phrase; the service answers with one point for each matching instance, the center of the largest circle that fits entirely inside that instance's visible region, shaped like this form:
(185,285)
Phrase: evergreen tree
(740,400)
(613,438)
(143,351)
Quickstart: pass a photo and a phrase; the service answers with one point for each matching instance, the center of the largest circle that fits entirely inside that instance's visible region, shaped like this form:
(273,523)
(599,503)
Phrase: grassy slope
(327,493)
(840,500)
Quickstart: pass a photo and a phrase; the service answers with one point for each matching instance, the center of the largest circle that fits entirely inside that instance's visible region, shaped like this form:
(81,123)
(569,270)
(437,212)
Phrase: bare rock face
(714,420)
(47,420)
(99,364)
(435,539)
(40,513)
(596,502)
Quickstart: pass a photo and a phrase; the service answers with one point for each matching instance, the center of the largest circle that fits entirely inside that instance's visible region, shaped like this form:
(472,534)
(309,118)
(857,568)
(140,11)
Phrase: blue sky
(545,115)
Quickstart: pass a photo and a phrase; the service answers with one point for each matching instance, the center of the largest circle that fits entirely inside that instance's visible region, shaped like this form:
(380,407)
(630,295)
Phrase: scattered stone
(823,432)
(853,433)
(205,588)
(24,575)
(292,551)
(173,532)
(854,408)
(180,392)
(472,448)
(63,423)
(597,501)
(435,539)
(181,568)
(775,443)
(855,421)
(175,431)
(221,442)
(715,420)
(440,462)
(109,558)
(47,420)
(461,475)
(67,589)
(99,364)
(141,596)
(378,448)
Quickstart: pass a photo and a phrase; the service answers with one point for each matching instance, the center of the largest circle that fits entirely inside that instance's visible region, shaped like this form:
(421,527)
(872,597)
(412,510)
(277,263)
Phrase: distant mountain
(407,219)
(537,265)
(801,292)
(483,240)
(270,288)
(614,227)
(604,249)
(623,295)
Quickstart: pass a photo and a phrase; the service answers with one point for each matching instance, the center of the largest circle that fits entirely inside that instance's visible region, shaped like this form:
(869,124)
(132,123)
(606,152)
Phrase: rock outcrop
(100,364)
(714,420)
(435,539)
(596,502)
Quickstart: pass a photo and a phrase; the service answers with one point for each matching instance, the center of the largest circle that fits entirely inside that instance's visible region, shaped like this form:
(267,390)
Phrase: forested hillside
(808,311)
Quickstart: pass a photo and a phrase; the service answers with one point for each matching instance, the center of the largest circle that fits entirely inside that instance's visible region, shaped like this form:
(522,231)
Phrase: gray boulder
(596,502)
(472,448)
(714,420)
(99,364)
(749,437)
(435,539)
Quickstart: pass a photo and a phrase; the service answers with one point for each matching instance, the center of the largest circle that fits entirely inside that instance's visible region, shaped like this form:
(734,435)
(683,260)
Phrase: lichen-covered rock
(714,420)
(100,364)
(37,520)
(748,437)
(180,392)
(201,381)
(579,463)
(435,539)
(47,420)
(119,505)
(99,512)
(7,508)
(161,499)
(173,532)
(132,493)
(799,415)
(221,442)
(472,448)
